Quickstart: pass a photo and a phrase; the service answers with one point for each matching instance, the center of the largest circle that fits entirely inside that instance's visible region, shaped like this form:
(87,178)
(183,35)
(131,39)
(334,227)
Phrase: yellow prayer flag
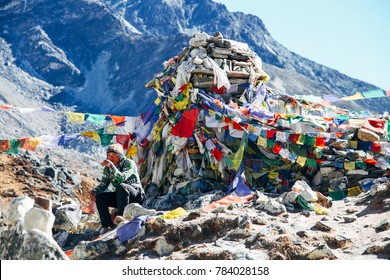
(92,134)
(261,141)
(349,165)
(111,129)
(178,212)
(131,152)
(76,117)
(251,128)
(353,144)
(354,191)
(157,101)
(33,143)
(356,96)
(301,161)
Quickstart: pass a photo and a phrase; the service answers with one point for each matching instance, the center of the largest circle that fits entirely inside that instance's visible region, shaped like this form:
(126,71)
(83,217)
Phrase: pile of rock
(237,231)
(216,114)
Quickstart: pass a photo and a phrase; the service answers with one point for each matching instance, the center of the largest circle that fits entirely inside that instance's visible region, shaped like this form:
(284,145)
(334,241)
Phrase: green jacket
(126,173)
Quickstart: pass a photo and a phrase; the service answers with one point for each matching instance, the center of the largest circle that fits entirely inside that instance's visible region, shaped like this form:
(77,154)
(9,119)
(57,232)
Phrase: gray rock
(76,179)
(162,247)
(61,238)
(67,219)
(199,202)
(38,246)
(320,253)
(338,241)
(349,219)
(18,209)
(302,233)
(259,221)
(220,209)
(40,219)
(378,250)
(17,244)
(66,188)
(384,225)
(51,172)
(61,176)
(323,227)
(89,250)
(134,210)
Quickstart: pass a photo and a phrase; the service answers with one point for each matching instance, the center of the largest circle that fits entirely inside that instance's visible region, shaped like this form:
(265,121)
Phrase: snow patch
(174,3)
(96,91)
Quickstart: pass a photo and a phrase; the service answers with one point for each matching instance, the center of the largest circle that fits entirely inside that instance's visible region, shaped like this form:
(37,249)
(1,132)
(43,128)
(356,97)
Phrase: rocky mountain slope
(99,54)
(96,56)
(356,228)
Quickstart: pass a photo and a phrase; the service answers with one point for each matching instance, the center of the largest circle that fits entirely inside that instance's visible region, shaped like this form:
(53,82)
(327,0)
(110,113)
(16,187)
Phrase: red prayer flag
(370,161)
(123,140)
(375,125)
(376,147)
(220,90)
(320,142)
(217,154)
(293,138)
(7,107)
(185,127)
(276,149)
(4,145)
(270,133)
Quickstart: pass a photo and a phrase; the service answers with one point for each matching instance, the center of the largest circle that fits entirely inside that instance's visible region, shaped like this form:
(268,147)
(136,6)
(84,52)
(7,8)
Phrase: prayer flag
(261,141)
(349,165)
(356,96)
(96,119)
(374,93)
(117,119)
(186,125)
(4,145)
(76,118)
(320,142)
(301,161)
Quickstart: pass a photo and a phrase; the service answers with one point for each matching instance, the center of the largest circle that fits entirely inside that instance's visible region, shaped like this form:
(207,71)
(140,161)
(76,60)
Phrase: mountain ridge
(101,53)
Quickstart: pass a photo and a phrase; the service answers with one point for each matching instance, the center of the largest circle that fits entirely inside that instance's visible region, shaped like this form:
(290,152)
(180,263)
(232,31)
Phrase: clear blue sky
(351,36)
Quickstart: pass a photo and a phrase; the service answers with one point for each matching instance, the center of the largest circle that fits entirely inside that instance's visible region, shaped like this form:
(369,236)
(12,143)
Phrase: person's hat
(115,148)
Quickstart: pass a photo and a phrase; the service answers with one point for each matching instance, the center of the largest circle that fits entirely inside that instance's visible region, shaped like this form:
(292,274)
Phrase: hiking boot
(104,230)
(118,220)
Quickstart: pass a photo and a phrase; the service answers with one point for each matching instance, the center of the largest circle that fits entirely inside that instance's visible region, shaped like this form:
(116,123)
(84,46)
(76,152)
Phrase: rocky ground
(356,228)
(55,177)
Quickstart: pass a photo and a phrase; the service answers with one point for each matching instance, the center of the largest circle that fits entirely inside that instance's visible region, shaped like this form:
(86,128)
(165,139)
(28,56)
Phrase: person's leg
(122,198)
(103,201)
(141,197)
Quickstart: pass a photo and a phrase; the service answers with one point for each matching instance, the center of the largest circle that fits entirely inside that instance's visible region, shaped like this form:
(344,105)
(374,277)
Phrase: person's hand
(107,163)
(93,195)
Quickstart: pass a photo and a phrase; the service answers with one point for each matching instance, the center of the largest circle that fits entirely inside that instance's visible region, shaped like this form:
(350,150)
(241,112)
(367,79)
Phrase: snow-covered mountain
(99,54)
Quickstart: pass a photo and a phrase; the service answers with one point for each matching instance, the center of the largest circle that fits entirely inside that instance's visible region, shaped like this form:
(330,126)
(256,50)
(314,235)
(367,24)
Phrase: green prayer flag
(388,129)
(236,157)
(374,93)
(106,139)
(96,119)
(14,146)
(310,140)
(311,162)
(361,164)
(304,204)
(270,143)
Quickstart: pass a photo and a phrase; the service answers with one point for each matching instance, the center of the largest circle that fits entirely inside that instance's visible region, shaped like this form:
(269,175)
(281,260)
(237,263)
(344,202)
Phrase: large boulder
(18,209)
(68,216)
(17,244)
(134,210)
